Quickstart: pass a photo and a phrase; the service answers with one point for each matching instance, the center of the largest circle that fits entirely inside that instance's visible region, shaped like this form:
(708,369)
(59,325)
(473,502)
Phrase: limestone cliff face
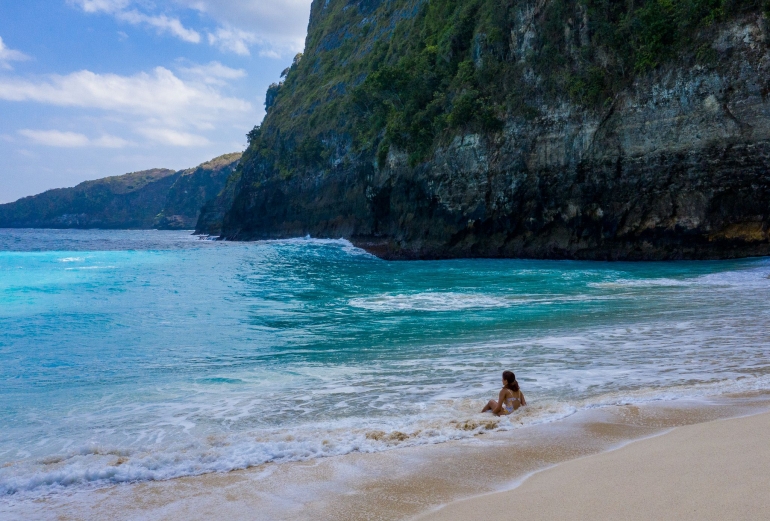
(193,188)
(674,165)
(677,167)
(213,211)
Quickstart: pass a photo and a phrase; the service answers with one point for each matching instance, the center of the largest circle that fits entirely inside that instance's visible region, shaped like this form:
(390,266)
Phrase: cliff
(515,128)
(158,198)
(212,213)
(192,189)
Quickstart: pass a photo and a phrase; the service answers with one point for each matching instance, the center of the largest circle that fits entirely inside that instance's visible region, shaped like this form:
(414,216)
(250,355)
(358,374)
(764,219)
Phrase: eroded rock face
(192,190)
(677,167)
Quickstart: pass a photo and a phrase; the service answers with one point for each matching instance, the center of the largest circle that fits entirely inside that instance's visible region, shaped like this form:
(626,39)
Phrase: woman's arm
(521,398)
(500,399)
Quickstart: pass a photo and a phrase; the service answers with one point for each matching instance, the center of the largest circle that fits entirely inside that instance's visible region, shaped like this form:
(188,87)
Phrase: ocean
(129,356)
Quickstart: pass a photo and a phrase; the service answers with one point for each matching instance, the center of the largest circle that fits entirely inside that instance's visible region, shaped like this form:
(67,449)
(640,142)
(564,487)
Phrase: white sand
(718,470)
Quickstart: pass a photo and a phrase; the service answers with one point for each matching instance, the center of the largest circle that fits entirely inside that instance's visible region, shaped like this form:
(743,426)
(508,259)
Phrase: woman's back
(512,400)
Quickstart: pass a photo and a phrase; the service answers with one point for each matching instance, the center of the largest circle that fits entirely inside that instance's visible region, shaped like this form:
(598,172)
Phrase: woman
(510,399)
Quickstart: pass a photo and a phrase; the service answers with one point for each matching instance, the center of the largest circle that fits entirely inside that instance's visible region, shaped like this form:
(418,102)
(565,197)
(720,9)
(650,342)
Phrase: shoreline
(396,484)
(712,470)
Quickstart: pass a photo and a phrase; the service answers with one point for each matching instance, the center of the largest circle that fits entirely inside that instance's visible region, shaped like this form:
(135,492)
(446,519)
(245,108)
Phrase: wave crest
(430,301)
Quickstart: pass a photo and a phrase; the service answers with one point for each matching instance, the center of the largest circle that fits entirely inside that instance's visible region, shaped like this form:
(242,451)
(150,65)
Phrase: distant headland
(151,199)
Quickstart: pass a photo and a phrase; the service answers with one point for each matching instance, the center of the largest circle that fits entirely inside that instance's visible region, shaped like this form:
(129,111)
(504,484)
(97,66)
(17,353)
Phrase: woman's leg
(490,406)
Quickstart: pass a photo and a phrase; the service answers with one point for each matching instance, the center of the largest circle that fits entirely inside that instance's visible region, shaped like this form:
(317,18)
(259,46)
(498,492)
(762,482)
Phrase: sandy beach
(677,460)
(716,470)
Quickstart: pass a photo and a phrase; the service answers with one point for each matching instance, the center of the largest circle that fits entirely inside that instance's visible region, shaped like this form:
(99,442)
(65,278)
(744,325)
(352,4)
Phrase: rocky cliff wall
(674,163)
(192,190)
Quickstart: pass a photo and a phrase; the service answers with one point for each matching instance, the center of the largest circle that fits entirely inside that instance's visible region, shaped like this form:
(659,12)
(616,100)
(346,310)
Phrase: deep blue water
(131,355)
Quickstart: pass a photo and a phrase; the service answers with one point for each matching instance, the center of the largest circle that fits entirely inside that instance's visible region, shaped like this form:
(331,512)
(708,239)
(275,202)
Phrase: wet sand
(716,470)
(408,482)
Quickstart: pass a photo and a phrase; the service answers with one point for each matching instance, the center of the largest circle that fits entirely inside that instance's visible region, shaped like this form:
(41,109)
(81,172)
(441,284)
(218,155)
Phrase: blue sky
(93,88)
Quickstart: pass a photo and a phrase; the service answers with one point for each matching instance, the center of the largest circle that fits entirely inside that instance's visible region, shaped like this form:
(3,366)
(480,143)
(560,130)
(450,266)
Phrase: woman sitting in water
(510,399)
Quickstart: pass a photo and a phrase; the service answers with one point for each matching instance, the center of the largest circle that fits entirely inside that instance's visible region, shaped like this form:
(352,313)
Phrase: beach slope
(716,470)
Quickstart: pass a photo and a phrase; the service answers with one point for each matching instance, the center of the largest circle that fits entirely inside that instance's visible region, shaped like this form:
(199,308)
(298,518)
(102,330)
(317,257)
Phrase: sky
(95,88)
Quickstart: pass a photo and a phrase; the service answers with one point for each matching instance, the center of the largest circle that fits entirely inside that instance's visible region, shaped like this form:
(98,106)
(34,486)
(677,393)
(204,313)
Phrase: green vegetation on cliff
(407,73)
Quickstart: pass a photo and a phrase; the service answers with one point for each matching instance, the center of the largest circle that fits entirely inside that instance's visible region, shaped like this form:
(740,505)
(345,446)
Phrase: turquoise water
(137,355)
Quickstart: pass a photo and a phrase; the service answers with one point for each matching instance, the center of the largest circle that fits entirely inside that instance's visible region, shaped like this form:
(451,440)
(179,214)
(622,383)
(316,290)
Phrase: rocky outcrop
(212,213)
(678,166)
(193,188)
(158,198)
(674,165)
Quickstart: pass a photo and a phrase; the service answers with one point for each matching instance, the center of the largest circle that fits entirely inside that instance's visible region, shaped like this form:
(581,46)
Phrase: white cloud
(107,141)
(213,73)
(57,138)
(9,55)
(278,27)
(172,137)
(233,40)
(162,23)
(159,97)
(270,53)
(96,6)
(119,9)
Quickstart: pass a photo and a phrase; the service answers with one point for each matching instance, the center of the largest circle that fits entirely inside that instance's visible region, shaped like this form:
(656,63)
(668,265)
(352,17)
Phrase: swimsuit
(508,405)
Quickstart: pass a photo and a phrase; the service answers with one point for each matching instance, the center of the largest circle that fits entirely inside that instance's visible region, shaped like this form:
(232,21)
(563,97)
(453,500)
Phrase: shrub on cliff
(408,73)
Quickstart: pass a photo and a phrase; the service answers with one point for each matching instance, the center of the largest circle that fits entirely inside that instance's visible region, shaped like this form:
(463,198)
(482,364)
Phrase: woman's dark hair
(509,377)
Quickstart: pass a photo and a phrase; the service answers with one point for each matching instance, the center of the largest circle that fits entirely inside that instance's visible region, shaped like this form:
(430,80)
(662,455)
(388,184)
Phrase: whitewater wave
(454,301)
(741,278)
(642,283)
(748,278)
(429,301)
(94,466)
(345,245)
(79,268)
